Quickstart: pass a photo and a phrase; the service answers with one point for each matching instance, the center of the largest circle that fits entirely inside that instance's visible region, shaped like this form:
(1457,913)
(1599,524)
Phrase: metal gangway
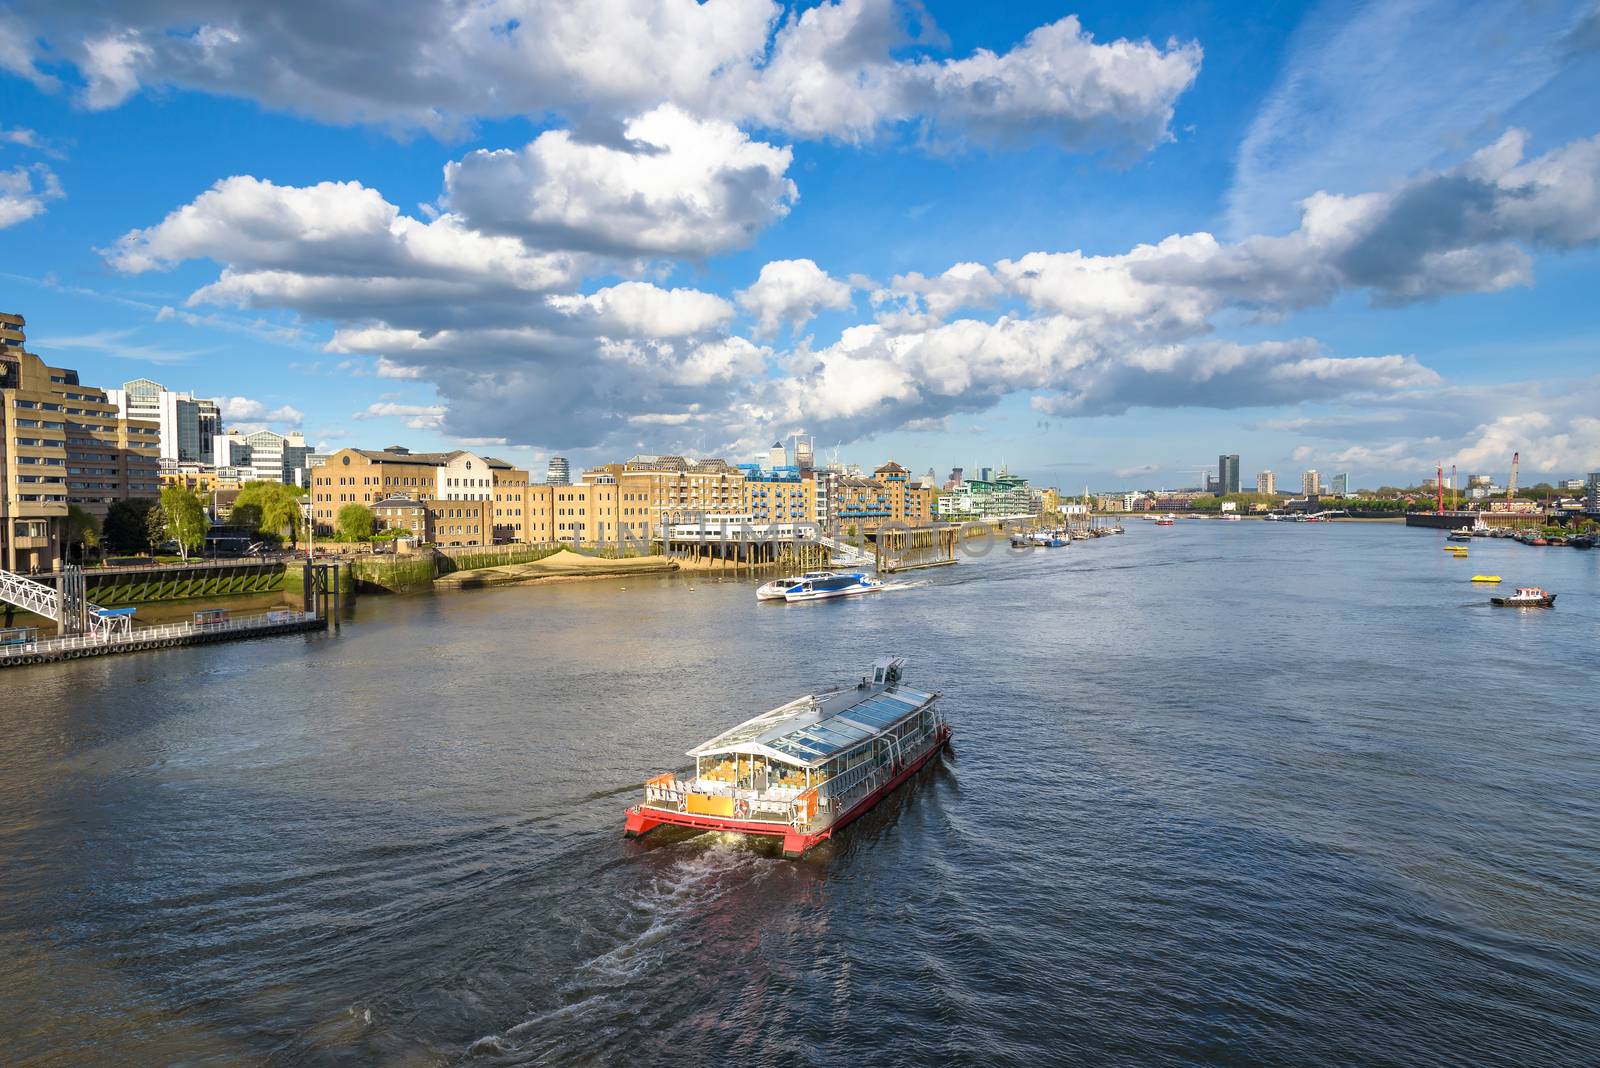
(68,606)
(844,552)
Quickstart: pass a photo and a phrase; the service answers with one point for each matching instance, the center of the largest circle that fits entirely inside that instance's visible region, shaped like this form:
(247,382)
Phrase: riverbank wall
(122,587)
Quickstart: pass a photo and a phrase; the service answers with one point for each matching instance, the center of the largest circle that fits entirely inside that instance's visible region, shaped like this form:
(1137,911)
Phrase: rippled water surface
(1221,794)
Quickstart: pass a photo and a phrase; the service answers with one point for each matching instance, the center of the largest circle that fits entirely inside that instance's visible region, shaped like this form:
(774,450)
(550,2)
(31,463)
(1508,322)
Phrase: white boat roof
(811,730)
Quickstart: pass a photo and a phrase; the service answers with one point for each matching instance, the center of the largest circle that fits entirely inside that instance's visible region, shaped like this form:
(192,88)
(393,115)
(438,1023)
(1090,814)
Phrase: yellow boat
(1485,578)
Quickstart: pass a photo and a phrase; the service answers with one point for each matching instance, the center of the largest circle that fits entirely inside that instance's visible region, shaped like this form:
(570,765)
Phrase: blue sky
(675,227)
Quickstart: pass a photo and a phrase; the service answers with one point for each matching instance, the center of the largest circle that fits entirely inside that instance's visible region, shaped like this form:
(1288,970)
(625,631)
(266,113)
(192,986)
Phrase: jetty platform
(161,636)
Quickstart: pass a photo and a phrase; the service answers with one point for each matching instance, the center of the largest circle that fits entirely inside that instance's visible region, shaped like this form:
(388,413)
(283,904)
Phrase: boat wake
(656,919)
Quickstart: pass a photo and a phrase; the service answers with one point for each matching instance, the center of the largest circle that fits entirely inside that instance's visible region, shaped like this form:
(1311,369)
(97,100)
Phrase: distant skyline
(1101,244)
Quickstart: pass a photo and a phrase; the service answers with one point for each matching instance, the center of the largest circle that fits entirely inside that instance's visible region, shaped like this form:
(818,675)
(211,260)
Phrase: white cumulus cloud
(793,292)
(676,185)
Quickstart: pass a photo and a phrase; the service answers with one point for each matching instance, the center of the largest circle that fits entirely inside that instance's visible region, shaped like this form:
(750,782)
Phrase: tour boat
(834,584)
(1166,520)
(774,590)
(804,770)
(1526,597)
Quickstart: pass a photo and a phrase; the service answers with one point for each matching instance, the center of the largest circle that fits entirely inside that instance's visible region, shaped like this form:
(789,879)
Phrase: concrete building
(61,443)
(777,456)
(557,472)
(189,425)
(1311,484)
(1228,473)
(266,456)
(1341,485)
(1267,484)
(1591,496)
(1002,496)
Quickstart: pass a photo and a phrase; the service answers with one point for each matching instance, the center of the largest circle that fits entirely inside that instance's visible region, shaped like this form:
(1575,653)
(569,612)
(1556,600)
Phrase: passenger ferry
(1167,520)
(774,590)
(834,584)
(806,769)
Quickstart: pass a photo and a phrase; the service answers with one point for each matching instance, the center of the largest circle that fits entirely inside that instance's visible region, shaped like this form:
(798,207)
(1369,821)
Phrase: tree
(184,518)
(275,506)
(355,522)
(126,528)
(155,527)
(83,531)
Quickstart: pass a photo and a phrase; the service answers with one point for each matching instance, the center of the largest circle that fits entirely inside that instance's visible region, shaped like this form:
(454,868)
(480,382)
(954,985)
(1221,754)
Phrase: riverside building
(61,443)
(189,425)
(1267,484)
(1228,473)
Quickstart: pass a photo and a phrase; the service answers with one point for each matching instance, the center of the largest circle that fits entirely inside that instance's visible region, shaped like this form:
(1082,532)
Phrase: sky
(1098,244)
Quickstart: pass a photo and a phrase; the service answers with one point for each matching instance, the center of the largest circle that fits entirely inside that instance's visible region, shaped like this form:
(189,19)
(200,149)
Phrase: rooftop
(814,729)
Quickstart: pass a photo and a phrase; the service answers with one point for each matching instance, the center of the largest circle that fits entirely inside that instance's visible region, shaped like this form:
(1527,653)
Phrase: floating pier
(162,636)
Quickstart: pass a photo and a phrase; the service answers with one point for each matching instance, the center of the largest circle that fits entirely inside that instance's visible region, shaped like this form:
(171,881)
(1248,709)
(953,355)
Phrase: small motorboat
(1525,597)
(1486,578)
(1167,520)
(1460,535)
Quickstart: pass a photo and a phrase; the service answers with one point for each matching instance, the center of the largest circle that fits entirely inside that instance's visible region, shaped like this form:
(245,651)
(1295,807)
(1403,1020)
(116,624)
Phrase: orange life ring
(741,808)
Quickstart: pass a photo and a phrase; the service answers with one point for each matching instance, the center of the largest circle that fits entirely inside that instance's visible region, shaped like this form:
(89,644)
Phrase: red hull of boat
(642,821)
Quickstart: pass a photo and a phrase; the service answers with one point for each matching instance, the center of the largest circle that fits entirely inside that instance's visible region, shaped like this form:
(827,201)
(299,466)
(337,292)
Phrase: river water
(1221,794)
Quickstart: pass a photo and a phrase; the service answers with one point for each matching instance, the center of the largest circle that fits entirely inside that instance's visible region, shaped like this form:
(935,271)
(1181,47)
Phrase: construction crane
(1511,486)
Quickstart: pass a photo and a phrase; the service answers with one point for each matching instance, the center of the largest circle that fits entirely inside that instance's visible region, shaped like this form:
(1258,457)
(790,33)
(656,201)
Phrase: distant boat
(1166,520)
(1526,597)
(1460,535)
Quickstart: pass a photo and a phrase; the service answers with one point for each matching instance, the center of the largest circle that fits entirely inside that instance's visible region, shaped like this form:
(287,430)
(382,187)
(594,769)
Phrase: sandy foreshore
(563,566)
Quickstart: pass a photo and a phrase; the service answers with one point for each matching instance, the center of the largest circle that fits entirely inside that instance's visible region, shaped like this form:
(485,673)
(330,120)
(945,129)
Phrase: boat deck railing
(806,808)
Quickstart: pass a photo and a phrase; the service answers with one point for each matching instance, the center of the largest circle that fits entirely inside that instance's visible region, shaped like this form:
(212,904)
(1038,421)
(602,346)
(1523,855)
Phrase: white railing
(30,596)
(844,549)
(158,633)
(44,600)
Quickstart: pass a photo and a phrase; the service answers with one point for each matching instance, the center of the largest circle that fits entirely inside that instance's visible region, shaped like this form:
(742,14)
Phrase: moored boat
(804,770)
(1525,597)
(1486,578)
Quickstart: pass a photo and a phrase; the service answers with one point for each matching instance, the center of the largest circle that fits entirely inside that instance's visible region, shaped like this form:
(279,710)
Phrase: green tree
(126,529)
(83,531)
(184,518)
(274,506)
(355,522)
(155,528)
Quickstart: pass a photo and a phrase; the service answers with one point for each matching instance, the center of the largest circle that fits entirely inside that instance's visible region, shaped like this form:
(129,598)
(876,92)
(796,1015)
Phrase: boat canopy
(812,730)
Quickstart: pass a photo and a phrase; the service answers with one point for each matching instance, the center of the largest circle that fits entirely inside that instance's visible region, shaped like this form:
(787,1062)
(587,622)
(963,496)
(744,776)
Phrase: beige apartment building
(466,499)
(61,443)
